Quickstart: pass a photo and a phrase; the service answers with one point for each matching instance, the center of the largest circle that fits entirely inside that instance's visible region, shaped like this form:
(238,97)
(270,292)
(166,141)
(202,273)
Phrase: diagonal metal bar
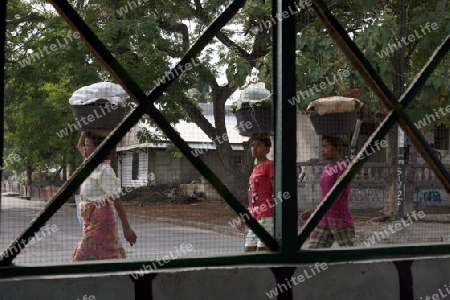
(371,77)
(89,38)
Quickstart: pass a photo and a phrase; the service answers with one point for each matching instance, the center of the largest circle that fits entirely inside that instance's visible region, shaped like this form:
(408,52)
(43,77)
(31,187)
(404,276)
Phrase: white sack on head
(335,104)
(112,92)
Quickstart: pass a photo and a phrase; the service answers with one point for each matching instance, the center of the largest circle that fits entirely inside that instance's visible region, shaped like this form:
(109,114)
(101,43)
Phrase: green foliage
(149,40)
(237,72)
(43,68)
(174,150)
(374,25)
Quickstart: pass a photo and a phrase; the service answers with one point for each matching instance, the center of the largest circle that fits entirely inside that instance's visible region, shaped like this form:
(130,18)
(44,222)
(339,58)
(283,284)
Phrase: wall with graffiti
(372,198)
(430,197)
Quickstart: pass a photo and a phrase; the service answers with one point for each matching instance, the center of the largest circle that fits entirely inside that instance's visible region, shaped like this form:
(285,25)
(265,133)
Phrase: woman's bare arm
(129,234)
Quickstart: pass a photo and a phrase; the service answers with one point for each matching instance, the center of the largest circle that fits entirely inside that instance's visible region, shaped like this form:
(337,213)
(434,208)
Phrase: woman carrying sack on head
(99,202)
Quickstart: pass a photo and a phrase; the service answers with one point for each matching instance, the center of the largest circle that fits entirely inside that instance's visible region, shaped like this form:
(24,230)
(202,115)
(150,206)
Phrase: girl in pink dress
(337,223)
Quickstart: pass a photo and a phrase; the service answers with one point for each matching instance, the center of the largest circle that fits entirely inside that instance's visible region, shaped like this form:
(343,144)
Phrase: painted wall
(165,166)
(372,198)
(368,187)
(423,197)
(360,198)
(410,279)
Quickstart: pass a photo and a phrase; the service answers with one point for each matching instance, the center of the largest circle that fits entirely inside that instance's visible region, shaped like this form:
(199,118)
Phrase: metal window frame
(286,244)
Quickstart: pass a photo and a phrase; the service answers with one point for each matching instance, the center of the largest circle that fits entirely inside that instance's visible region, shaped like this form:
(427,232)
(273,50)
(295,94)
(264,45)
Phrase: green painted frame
(286,244)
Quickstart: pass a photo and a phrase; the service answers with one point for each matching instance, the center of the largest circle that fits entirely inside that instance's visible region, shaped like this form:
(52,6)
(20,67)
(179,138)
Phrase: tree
(149,37)
(422,26)
(170,37)
(39,82)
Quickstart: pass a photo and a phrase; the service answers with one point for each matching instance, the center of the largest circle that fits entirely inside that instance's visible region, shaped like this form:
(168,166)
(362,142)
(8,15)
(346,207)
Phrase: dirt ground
(167,202)
(216,213)
(213,212)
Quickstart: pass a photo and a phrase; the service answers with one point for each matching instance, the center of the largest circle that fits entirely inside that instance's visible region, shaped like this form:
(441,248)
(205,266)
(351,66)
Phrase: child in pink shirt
(337,223)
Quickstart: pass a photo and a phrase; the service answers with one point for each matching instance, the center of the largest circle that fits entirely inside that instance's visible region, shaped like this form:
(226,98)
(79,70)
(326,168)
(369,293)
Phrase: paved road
(155,239)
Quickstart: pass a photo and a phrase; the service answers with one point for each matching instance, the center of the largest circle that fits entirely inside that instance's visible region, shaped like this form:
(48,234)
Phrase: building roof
(190,132)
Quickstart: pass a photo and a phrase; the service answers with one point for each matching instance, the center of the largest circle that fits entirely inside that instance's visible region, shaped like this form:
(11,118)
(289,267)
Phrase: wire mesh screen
(146,199)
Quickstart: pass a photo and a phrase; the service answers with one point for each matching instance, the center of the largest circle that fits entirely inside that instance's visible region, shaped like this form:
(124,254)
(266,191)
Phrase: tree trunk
(72,167)
(29,183)
(242,174)
(29,171)
(440,6)
(64,174)
(390,200)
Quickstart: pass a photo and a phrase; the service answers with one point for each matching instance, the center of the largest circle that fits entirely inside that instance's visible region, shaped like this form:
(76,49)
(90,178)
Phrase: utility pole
(398,91)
